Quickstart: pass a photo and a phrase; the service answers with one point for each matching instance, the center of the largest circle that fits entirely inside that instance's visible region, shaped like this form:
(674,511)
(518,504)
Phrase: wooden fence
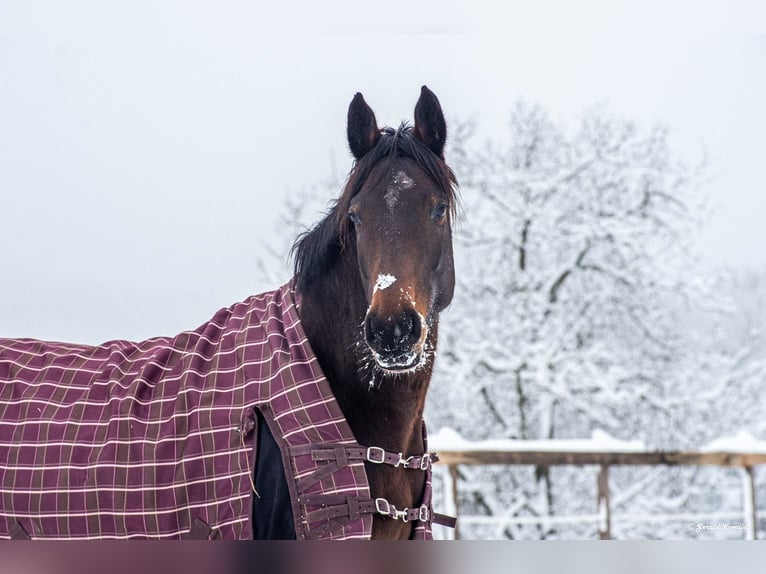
(746,461)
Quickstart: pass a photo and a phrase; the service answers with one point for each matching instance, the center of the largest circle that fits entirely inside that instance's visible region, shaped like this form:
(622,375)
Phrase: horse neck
(389,413)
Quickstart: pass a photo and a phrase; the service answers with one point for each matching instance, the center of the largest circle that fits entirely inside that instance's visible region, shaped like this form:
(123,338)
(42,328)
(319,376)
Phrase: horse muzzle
(396,341)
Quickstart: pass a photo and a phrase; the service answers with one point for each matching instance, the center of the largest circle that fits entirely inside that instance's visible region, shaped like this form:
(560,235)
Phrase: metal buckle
(401,514)
(376,449)
(383,506)
(403,461)
(425,461)
(423,513)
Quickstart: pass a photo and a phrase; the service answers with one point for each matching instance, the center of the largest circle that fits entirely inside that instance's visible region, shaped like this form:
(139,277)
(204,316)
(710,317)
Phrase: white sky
(144,149)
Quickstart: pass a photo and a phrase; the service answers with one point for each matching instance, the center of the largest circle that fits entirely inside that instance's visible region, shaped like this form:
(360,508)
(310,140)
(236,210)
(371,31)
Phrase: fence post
(605,525)
(453,493)
(751,530)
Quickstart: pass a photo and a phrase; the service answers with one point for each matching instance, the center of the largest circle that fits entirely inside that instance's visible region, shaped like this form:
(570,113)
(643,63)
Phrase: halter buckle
(377,451)
(425,461)
(383,506)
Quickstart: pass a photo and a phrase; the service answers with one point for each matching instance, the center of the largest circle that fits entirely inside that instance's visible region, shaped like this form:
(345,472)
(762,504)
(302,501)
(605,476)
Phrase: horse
(314,430)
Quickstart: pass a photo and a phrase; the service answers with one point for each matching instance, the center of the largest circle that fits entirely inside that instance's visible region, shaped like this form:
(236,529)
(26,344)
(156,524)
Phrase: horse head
(396,216)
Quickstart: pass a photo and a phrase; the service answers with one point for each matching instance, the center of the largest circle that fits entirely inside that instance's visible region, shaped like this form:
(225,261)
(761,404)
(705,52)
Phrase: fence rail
(451,459)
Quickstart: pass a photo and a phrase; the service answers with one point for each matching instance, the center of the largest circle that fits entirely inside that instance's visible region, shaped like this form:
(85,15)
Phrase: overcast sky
(144,150)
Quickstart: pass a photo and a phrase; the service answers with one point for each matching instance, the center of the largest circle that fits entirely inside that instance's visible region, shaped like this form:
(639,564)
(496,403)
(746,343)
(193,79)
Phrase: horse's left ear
(430,127)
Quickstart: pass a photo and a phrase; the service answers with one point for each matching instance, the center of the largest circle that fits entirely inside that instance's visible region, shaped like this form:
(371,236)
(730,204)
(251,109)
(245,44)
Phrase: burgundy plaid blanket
(140,440)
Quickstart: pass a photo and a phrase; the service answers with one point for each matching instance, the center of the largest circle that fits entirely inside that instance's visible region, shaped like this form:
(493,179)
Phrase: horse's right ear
(362,128)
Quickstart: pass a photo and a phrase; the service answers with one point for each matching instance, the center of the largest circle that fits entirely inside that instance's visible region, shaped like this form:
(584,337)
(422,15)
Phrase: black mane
(316,250)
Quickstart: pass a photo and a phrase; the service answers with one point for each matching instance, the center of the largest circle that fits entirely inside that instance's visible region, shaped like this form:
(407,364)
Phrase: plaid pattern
(137,440)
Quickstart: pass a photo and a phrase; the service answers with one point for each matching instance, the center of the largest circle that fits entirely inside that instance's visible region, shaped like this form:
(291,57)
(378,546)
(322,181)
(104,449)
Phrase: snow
(401,182)
(383,282)
(392,198)
(742,442)
(447,439)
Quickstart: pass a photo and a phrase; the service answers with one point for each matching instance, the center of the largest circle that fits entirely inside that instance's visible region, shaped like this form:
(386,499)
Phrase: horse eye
(440,211)
(354,218)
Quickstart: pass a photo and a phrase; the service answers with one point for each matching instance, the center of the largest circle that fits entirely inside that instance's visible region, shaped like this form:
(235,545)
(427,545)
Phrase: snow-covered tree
(579,307)
(569,276)
(577,301)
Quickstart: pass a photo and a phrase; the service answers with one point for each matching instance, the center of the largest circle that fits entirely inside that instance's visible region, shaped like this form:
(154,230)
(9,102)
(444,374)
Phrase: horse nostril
(392,334)
(373,330)
(404,327)
(411,333)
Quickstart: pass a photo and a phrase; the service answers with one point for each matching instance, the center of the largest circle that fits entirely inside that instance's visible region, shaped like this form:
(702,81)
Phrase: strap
(335,510)
(17,532)
(445,520)
(342,455)
(374,454)
(303,483)
(343,508)
(383,507)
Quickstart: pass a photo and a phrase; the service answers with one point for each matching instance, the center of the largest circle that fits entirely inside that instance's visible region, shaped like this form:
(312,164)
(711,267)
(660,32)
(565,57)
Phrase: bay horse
(322,382)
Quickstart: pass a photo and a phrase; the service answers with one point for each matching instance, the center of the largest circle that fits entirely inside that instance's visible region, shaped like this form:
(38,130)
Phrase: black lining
(272,506)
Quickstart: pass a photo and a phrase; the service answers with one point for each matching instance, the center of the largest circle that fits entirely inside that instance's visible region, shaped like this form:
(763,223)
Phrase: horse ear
(430,127)
(362,128)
